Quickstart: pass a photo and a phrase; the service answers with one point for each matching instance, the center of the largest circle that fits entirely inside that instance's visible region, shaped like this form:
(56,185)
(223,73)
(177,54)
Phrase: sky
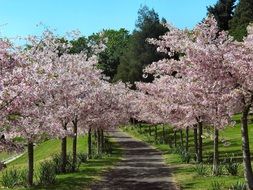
(21,17)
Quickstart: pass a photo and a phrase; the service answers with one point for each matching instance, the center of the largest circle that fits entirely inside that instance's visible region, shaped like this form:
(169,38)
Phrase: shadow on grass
(87,174)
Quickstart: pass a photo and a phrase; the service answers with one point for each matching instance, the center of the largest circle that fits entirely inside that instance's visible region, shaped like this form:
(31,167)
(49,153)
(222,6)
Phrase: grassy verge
(47,149)
(89,171)
(5,155)
(185,174)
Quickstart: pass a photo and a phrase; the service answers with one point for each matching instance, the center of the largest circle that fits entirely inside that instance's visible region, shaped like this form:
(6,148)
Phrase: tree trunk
(74,144)
(64,151)
(200,143)
(170,140)
(149,130)
(163,135)
(245,149)
(187,139)
(175,138)
(216,152)
(181,138)
(196,144)
(95,135)
(30,164)
(102,140)
(89,143)
(98,142)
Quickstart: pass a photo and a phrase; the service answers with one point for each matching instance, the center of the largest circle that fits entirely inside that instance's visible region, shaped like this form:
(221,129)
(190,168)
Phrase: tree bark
(170,140)
(102,140)
(196,144)
(246,149)
(95,135)
(181,138)
(140,127)
(74,144)
(89,143)
(216,152)
(200,143)
(163,135)
(98,142)
(186,139)
(64,151)
(30,164)
(175,138)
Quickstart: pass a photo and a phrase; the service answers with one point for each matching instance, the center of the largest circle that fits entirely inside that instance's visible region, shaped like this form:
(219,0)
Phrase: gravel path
(142,168)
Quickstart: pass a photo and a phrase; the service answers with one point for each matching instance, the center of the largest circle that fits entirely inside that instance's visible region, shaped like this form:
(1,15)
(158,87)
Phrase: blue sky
(20,17)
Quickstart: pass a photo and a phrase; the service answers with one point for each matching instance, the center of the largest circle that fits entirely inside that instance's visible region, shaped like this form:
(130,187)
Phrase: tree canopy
(242,17)
(223,12)
(139,53)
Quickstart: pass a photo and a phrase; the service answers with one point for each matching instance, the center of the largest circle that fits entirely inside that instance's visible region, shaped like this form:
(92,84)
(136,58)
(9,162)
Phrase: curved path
(142,168)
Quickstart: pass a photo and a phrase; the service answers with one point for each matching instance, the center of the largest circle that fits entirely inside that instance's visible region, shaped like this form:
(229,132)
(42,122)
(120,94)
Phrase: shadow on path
(142,168)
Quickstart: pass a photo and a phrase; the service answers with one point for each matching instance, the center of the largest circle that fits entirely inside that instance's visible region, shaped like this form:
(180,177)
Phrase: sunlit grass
(88,172)
(185,174)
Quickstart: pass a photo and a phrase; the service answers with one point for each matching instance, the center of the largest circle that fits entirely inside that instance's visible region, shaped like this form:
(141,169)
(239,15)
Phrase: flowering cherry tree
(197,85)
(240,63)
(208,83)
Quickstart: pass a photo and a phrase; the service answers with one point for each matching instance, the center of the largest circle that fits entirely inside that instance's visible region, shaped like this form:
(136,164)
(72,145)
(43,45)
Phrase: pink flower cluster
(44,89)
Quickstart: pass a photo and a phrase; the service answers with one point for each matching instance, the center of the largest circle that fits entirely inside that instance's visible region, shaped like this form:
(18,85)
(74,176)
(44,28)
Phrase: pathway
(142,168)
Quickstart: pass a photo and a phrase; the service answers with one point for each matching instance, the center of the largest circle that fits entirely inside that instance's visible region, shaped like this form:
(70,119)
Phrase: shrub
(184,155)
(57,160)
(209,157)
(10,178)
(13,177)
(216,185)
(69,164)
(79,160)
(201,169)
(97,156)
(232,166)
(82,157)
(220,169)
(238,186)
(47,173)
(23,177)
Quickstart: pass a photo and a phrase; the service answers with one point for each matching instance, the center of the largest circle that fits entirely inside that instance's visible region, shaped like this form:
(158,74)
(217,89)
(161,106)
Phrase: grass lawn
(88,172)
(185,174)
(48,148)
(5,155)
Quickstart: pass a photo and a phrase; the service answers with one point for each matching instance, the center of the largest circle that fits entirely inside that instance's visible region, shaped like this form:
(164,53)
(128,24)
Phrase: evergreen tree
(139,53)
(242,17)
(223,12)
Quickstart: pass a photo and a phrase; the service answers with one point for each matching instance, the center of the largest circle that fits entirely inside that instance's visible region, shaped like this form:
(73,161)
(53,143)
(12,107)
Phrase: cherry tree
(77,79)
(28,114)
(215,73)
(196,85)
(107,111)
(240,63)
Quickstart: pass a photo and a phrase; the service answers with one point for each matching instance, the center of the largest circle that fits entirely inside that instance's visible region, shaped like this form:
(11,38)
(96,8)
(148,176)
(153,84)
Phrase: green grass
(185,174)
(5,155)
(48,148)
(88,172)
